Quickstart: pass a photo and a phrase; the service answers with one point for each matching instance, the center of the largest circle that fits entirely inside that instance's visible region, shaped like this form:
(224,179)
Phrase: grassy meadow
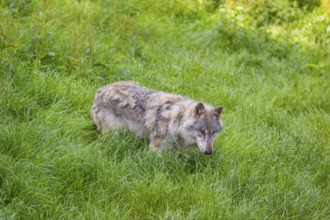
(266,62)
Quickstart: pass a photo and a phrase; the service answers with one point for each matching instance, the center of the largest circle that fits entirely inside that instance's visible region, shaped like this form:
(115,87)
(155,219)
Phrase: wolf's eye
(202,132)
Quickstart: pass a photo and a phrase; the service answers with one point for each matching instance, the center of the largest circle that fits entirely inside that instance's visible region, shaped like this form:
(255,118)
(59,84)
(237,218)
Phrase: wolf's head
(205,125)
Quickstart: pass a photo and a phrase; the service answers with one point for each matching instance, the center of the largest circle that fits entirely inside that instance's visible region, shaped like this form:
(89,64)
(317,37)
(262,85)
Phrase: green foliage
(20,7)
(275,12)
(267,64)
(309,4)
(230,36)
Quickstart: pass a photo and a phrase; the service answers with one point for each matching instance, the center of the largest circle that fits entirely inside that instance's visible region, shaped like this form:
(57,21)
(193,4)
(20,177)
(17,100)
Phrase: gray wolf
(165,119)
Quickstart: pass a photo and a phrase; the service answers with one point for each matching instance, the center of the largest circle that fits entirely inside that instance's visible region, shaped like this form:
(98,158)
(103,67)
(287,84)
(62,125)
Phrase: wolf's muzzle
(208,152)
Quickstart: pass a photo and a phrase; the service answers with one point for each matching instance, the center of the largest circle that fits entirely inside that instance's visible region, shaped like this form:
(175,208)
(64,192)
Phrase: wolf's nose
(208,152)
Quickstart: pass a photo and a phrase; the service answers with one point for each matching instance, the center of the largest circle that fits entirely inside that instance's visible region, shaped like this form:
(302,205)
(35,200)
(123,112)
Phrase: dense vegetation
(266,62)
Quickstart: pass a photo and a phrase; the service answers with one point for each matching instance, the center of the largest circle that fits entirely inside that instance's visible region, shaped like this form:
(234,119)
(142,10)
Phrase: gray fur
(165,119)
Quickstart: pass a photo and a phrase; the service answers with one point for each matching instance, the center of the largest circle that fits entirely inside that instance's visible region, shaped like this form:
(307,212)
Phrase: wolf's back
(117,105)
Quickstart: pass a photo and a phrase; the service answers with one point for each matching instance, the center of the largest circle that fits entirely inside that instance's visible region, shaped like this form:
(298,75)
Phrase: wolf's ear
(218,111)
(199,109)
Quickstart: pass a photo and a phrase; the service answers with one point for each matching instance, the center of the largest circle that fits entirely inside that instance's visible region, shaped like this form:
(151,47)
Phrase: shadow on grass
(124,145)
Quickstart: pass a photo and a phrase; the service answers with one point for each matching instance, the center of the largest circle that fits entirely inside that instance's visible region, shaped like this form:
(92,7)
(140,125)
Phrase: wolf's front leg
(155,144)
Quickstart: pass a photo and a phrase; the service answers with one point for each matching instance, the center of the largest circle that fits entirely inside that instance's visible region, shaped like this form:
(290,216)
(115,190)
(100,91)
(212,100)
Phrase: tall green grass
(271,162)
